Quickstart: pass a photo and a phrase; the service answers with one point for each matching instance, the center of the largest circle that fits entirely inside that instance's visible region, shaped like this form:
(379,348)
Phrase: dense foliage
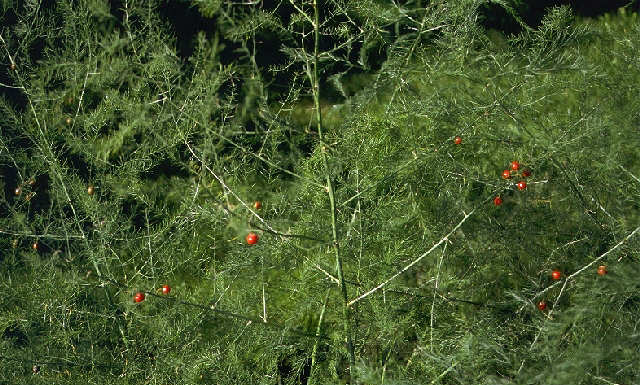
(131,160)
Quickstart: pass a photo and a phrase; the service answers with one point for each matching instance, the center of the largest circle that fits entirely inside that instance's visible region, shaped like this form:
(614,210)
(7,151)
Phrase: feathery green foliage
(381,259)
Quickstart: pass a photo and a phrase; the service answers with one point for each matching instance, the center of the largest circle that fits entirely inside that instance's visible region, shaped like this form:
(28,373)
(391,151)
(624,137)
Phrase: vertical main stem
(332,201)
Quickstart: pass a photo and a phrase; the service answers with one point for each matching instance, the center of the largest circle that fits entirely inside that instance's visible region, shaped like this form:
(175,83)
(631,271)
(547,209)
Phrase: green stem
(336,247)
(318,330)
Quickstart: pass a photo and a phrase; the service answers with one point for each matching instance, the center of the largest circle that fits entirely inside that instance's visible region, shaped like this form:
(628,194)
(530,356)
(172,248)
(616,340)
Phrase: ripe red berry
(252,238)
(257,205)
(515,165)
(521,185)
(602,270)
(556,275)
(497,201)
(166,289)
(506,174)
(139,297)
(526,173)
(457,140)
(542,305)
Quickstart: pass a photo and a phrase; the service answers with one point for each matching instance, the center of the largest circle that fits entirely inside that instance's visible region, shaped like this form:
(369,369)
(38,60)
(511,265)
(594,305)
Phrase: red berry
(602,270)
(521,185)
(252,238)
(497,201)
(166,289)
(542,305)
(457,140)
(526,173)
(506,174)
(556,275)
(139,297)
(257,205)
(515,165)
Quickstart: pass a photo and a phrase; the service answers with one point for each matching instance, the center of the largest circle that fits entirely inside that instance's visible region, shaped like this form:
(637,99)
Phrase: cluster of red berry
(251,239)
(508,174)
(139,297)
(557,274)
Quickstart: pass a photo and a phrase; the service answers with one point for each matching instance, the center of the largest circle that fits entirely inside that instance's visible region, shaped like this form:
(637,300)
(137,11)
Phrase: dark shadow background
(532,12)
(186,22)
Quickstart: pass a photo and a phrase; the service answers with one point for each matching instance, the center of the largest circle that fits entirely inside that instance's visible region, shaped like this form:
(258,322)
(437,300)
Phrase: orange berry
(542,305)
(252,238)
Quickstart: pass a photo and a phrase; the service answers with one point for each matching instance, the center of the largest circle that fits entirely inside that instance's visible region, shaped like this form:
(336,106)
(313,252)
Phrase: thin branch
(212,308)
(42,236)
(304,14)
(585,266)
(224,185)
(629,172)
(604,380)
(318,331)
(51,160)
(444,239)
(8,86)
(435,290)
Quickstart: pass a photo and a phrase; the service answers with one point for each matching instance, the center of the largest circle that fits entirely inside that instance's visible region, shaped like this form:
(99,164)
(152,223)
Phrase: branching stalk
(336,245)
